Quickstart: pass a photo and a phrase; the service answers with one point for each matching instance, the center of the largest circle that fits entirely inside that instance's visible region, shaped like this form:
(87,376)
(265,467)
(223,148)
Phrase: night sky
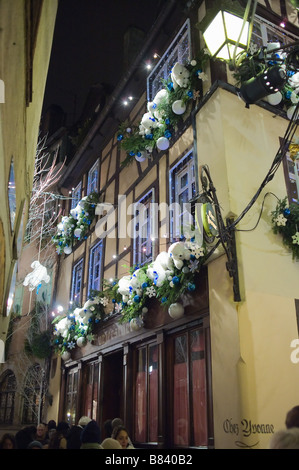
(88,47)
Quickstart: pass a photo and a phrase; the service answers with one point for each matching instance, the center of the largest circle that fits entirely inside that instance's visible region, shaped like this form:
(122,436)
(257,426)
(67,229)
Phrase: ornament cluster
(285,221)
(166,279)
(75,226)
(163,113)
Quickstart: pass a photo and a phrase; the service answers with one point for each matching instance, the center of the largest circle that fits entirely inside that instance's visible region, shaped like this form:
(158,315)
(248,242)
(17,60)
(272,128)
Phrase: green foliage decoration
(285,221)
(74,227)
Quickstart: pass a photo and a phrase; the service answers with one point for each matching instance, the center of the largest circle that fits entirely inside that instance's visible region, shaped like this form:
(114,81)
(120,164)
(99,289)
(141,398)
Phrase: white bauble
(81,342)
(67,250)
(274,98)
(178,107)
(176,310)
(77,232)
(66,355)
(141,158)
(136,324)
(162,143)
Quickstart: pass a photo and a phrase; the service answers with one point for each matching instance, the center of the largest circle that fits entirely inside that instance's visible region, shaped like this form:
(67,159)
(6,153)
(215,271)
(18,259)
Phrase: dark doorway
(112,386)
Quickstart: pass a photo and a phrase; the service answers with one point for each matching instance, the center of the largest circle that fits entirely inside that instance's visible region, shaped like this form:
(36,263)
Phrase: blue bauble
(176,280)
(191,287)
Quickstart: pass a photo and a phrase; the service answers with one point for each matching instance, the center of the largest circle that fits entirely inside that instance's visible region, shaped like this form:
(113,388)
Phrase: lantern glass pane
(227,52)
(214,35)
(224,53)
(233,28)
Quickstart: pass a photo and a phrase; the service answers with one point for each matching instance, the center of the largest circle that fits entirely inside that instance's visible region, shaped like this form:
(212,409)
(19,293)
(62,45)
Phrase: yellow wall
(19,124)
(254,378)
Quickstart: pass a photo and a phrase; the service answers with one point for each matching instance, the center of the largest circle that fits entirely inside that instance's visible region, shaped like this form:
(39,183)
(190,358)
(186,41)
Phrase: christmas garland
(256,61)
(285,221)
(168,108)
(171,275)
(75,226)
(77,326)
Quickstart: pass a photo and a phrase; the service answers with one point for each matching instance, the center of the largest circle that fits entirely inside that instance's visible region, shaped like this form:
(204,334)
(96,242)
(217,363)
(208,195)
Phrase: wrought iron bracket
(226,231)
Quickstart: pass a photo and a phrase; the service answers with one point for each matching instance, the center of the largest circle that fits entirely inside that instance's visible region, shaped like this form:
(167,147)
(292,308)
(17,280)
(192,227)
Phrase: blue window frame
(95,267)
(76,195)
(93,178)
(182,190)
(11,190)
(178,51)
(77,282)
(144,230)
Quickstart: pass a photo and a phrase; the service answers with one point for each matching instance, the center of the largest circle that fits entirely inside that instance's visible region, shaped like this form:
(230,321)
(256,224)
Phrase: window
(189,407)
(33,395)
(144,230)
(264,32)
(291,169)
(76,195)
(93,178)
(291,175)
(182,190)
(71,396)
(77,283)
(146,395)
(95,267)
(8,387)
(91,381)
(11,191)
(178,51)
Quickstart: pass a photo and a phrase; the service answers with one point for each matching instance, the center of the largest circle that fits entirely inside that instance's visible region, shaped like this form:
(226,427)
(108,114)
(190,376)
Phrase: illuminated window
(76,195)
(178,51)
(182,190)
(144,230)
(12,195)
(190,389)
(93,178)
(95,267)
(264,31)
(146,392)
(71,396)
(77,283)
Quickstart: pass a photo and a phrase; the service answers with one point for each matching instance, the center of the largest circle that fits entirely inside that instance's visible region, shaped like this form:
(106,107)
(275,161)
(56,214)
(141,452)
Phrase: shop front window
(91,381)
(189,390)
(71,396)
(146,395)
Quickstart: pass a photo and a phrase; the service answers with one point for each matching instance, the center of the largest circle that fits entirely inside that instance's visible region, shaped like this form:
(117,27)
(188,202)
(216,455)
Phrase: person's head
(117,422)
(41,431)
(35,445)
(292,418)
(62,428)
(91,433)
(110,443)
(108,427)
(8,441)
(285,439)
(51,424)
(83,421)
(120,433)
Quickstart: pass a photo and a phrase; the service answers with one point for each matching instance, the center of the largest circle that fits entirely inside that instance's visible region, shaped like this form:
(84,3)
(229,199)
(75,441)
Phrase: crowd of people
(86,434)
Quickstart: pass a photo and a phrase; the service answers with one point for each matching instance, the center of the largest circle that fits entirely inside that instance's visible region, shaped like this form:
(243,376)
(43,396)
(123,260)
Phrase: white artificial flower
(296,238)
(280,220)
(151,291)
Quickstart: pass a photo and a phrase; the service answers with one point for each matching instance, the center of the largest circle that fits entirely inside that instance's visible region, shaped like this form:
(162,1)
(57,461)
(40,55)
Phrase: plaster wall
(250,339)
